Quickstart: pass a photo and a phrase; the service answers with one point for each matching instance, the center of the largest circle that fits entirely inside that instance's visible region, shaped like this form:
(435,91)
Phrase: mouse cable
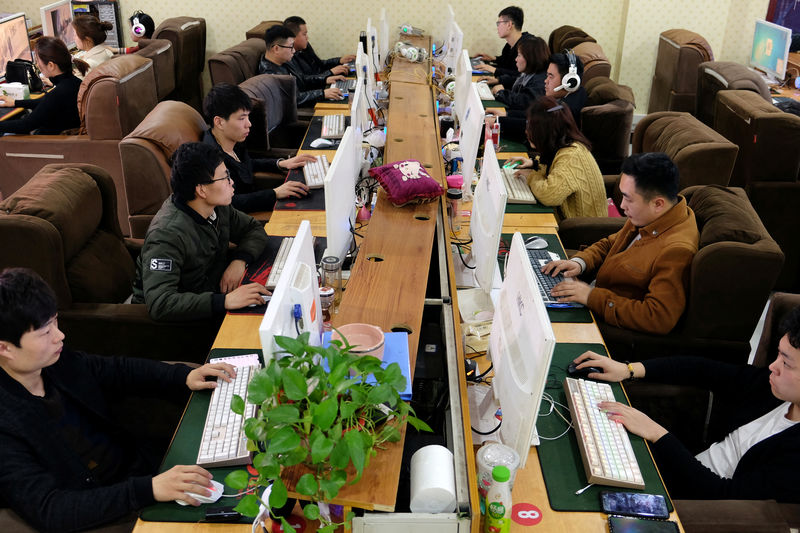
(548,398)
(500,423)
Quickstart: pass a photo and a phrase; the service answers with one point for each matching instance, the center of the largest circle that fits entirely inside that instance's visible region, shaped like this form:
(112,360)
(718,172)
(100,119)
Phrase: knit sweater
(574,184)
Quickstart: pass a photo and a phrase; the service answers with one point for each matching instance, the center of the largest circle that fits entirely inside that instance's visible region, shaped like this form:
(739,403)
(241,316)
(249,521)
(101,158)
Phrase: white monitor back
(359,117)
(472,125)
(463,81)
(383,37)
(486,224)
(298,285)
(455,40)
(521,348)
(364,68)
(340,194)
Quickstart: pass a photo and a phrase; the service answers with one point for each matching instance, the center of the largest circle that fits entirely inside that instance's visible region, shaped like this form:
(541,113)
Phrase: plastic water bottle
(498,502)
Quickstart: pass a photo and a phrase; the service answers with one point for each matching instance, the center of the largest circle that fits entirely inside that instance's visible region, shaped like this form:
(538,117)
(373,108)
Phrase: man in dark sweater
(760,458)
(65,462)
(306,60)
(509,27)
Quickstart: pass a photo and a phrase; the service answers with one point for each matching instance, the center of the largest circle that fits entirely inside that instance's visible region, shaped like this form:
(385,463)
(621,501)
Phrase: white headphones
(412,53)
(137,27)
(570,82)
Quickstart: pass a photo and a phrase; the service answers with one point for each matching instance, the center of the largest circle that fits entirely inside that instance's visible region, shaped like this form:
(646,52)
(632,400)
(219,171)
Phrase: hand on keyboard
(340,69)
(245,295)
(634,420)
(291,189)
(196,380)
(297,161)
(572,290)
(567,267)
(333,79)
(333,94)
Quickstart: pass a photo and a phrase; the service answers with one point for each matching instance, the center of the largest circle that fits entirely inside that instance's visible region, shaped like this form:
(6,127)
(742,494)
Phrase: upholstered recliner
(146,153)
(113,98)
(275,129)
(160,52)
(258,31)
(730,279)
(606,121)
(188,38)
(63,224)
(237,63)
(567,37)
(715,76)
(674,83)
(595,62)
(767,166)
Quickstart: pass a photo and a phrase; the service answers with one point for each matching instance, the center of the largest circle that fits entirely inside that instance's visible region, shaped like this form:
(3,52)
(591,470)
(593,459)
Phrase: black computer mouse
(574,372)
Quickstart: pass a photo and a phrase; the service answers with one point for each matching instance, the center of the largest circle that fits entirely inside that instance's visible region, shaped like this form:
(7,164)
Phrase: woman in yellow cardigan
(565,174)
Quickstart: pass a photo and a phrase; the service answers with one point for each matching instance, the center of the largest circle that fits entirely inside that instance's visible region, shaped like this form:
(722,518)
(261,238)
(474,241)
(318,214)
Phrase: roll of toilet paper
(433,484)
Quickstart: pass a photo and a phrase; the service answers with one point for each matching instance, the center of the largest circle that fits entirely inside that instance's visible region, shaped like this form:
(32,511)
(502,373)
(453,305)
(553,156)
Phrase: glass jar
(454,209)
(326,302)
(332,277)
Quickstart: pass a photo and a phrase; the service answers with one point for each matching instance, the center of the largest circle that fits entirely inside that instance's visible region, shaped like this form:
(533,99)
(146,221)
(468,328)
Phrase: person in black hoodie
(307,60)
(509,27)
(532,61)
(65,462)
(759,459)
(57,110)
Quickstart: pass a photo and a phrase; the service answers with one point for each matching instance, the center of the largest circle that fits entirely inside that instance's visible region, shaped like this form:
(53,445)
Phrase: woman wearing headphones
(57,110)
(532,60)
(565,174)
(90,34)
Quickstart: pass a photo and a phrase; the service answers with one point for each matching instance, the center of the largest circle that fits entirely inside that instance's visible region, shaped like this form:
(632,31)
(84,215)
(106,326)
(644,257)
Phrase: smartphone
(634,504)
(626,524)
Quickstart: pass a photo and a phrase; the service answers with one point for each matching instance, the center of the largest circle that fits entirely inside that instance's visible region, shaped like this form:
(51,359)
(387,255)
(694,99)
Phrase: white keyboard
(604,444)
(277,265)
(518,190)
(224,442)
(333,126)
(484,91)
(315,171)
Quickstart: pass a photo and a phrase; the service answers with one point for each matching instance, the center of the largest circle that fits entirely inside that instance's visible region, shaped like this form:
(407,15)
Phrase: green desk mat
(529,208)
(506,145)
(576,315)
(562,467)
(183,451)
(493,103)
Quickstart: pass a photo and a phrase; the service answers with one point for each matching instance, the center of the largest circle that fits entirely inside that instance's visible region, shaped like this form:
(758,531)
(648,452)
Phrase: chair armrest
(578,232)
(134,246)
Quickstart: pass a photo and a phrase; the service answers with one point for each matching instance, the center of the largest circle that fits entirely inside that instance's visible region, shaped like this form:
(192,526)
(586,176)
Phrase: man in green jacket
(185,270)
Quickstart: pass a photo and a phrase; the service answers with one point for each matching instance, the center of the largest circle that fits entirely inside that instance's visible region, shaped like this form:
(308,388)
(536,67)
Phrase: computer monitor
(363,68)
(14,43)
(770,50)
(521,346)
(463,81)
(471,126)
(372,47)
(383,38)
(298,286)
(340,194)
(359,116)
(455,40)
(57,22)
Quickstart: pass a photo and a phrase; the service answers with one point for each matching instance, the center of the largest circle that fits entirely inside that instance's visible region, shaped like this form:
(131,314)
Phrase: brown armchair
(595,62)
(674,85)
(114,97)
(606,121)
(722,307)
(237,63)
(275,131)
(160,52)
(567,37)
(188,38)
(146,154)
(63,224)
(258,31)
(715,76)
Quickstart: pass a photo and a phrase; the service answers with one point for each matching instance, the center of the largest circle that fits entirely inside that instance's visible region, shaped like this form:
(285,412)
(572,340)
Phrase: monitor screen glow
(14,42)
(770,50)
(57,22)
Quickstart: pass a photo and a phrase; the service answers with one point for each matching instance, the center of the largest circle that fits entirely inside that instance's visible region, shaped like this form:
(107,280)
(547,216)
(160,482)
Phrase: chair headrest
(690,39)
(170,124)
(601,90)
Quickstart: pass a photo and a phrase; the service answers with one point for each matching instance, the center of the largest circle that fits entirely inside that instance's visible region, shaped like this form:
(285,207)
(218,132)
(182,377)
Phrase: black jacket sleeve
(42,109)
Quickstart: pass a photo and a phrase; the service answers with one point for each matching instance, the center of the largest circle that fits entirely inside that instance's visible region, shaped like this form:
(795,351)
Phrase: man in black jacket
(65,463)
(509,27)
(307,60)
(760,457)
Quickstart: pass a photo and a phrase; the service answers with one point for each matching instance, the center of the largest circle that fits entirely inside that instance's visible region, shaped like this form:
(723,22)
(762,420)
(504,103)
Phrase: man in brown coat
(641,272)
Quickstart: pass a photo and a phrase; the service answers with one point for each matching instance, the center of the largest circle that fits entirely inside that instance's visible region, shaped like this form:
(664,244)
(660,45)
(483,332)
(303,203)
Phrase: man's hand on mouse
(613,371)
(291,189)
(178,480)
(244,295)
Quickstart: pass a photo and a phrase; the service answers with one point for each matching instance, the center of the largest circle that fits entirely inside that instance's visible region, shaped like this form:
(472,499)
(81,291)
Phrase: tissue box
(16,90)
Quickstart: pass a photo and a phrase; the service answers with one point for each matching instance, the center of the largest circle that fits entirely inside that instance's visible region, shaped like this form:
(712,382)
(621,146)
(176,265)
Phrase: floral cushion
(406,182)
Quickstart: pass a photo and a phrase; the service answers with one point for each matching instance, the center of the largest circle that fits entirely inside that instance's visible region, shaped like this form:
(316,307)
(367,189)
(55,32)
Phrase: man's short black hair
(294,23)
(514,14)
(223,100)
(193,164)
(561,61)
(790,326)
(277,34)
(26,303)
(655,175)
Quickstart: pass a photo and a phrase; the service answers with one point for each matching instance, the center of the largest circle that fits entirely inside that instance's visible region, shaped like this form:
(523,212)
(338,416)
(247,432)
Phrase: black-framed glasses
(284,46)
(501,22)
(227,177)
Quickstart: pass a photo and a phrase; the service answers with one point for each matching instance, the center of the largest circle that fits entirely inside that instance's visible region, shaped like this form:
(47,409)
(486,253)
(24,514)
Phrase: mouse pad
(315,131)
(313,201)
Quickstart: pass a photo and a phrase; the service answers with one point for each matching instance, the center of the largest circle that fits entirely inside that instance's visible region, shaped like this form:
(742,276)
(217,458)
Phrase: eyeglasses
(284,46)
(501,22)
(227,177)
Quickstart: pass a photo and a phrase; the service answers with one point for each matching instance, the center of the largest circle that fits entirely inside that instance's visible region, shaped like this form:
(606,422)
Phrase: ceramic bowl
(366,338)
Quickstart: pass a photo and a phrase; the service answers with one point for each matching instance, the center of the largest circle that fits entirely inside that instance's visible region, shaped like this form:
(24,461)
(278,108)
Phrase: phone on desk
(627,524)
(634,504)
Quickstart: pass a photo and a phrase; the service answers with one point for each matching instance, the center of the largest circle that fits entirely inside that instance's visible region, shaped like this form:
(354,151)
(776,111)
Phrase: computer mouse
(216,492)
(321,143)
(535,243)
(574,372)
(264,297)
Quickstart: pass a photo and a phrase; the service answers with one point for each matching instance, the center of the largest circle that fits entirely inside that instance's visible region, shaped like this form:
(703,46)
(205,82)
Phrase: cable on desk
(462,259)
(500,423)
(553,403)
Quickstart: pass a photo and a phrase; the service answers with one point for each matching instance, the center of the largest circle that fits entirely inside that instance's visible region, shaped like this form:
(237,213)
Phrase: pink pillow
(406,182)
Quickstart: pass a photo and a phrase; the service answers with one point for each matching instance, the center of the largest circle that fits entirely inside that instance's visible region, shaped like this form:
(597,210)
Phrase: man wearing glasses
(278,60)
(185,270)
(509,27)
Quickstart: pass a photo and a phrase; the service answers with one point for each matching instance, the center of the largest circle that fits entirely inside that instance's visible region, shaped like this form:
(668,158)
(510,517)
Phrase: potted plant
(324,419)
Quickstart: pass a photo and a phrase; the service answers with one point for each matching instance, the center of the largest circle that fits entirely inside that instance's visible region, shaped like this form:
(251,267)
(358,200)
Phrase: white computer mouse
(535,243)
(216,493)
(321,143)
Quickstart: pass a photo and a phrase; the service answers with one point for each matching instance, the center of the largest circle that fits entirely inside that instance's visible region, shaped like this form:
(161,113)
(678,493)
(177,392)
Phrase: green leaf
(335,433)
(393,376)
(307,485)
(358,395)
(311,511)
(325,413)
(340,456)
(237,404)
(278,495)
(293,346)
(418,424)
(284,440)
(237,479)
(294,384)
(266,465)
(330,528)
(261,387)
(355,447)
(380,394)
(331,486)
(338,373)
(294,457)
(391,433)
(347,409)
(321,448)
(283,414)
(346,384)
(249,506)
(255,429)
